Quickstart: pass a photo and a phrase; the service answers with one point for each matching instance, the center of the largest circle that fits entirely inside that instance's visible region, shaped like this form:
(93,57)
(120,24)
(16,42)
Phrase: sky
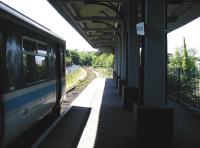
(42,12)
(190,31)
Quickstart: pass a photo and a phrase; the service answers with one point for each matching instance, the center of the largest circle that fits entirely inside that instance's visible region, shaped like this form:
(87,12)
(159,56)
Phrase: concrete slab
(96,119)
(187,126)
(115,127)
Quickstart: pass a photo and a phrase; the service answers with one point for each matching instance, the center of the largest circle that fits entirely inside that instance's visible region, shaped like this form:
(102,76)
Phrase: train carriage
(32,73)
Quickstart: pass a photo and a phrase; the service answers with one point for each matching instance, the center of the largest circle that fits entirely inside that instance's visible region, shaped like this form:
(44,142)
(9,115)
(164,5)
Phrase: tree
(85,58)
(185,60)
(95,59)
(103,60)
(176,59)
(75,57)
(182,68)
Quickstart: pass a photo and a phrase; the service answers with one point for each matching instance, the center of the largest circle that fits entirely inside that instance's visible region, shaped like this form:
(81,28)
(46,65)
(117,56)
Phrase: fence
(184,85)
(71,69)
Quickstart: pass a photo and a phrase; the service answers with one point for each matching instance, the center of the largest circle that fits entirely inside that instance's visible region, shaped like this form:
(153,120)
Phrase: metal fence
(71,68)
(185,86)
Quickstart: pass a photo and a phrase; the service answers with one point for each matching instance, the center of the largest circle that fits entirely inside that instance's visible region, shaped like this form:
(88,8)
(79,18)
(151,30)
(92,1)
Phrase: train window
(42,49)
(41,66)
(29,68)
(29,45)
(35,61)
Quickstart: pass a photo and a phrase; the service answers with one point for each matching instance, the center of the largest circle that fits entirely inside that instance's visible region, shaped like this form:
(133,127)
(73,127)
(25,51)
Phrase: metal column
(123,76)
(154,120)
(130,91)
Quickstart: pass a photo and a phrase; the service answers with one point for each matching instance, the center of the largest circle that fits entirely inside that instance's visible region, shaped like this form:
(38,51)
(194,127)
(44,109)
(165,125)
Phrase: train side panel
(25,107)
(2,79)
(27,97)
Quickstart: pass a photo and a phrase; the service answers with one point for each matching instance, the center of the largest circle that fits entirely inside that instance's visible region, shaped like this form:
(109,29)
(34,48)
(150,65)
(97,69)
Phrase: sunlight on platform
(91,97)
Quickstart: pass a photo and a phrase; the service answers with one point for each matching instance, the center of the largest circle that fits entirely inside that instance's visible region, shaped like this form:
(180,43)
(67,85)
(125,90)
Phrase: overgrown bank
(80,85)
(104,72)
(75,77)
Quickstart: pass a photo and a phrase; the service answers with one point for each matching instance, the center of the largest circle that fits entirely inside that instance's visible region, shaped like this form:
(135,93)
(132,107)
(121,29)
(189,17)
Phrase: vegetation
(103,60)
(73,78)
(95,59)
(183,74)
(104,72)
(95,62)
(184,59)
(82,84)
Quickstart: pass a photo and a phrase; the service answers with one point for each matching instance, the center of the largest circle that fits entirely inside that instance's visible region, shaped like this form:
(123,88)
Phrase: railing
(184,86)
(71,69)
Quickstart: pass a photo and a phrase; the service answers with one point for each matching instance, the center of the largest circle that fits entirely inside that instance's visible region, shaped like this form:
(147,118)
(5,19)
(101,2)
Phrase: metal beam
(98,30)
(106,44)
(106,36)
(78,1)
(102,46)
(96,18)
(102,40)
(103,43)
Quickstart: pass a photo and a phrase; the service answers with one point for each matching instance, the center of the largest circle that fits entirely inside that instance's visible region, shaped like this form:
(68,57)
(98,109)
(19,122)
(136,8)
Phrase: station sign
(140,28)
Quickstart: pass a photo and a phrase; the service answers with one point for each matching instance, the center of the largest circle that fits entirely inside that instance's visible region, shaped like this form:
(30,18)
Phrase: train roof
(28,20)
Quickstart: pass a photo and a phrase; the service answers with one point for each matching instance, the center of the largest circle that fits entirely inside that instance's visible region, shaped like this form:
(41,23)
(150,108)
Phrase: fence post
(179,84)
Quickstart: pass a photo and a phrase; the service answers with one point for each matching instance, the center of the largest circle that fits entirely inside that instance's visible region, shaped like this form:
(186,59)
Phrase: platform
(187,126)
(96,119)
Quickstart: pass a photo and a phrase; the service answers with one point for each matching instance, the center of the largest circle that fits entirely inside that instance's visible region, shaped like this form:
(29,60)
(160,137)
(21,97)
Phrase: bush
(94,59)
(183,73)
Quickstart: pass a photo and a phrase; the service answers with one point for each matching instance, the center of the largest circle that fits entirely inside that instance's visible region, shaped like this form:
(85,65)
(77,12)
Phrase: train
(32,73)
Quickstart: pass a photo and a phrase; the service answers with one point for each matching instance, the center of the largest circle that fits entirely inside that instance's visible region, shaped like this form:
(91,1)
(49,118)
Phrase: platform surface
(96,120)
(186,126)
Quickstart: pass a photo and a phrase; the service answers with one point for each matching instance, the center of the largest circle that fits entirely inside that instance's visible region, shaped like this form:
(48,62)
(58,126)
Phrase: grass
(73,78)
(89,77)
(105,72)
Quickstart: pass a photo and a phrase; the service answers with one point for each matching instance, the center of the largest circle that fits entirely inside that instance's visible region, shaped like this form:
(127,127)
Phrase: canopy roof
(98,21)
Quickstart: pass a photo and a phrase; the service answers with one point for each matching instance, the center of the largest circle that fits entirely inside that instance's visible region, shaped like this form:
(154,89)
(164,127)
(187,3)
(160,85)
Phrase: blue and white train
(32,73)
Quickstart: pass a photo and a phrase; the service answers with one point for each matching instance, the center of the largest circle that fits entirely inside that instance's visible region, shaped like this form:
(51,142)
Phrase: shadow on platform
(115,127)
(186,126)
(67,132)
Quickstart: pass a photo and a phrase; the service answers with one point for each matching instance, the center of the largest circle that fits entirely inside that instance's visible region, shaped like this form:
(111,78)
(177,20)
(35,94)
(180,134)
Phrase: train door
(58,76)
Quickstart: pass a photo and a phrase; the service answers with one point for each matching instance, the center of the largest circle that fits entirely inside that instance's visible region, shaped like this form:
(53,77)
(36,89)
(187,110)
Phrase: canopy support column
(130,91)
(154,119)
